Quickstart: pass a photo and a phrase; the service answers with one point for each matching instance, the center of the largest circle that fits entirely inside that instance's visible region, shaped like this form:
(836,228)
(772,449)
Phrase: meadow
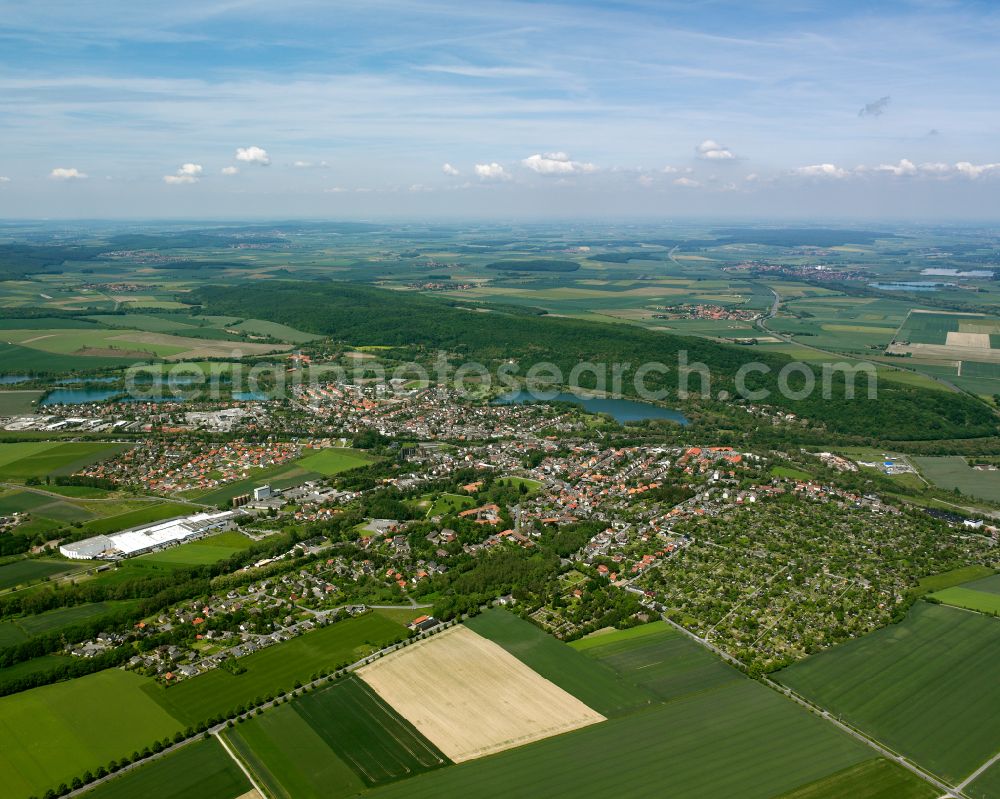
(951,472)
(42,458)
(276,668)
(147,514)
(57,732)
(201,552)
(333,460)
(199,770)
(927,687)
(22,572)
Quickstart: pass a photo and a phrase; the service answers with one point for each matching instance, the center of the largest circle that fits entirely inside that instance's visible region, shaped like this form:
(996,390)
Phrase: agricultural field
(950,336)
(961,597)
(276,668)
(331,743)
(57,732)
(986,785)
(928,687)
(285,475)
(873,779)
(334,460)
(131,345)
(595,684)
(471,698)
(659,659)
(42,458)
(769,747)
(199,770)
(201,552)
(951,472)
(14,403)
(289,758)
(53,620)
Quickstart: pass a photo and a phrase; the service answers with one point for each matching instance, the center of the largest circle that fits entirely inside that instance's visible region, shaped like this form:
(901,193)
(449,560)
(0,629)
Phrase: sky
(488,108)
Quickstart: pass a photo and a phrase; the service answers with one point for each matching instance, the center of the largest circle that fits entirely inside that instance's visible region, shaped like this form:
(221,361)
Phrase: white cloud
(448,169)
(974,171)
(230,170)
(670,170)
(67,173)
(4,179)
(188,173)
(420,187)
(309,164)
(492,171)
(821,171)
(335,190)
(936,168)
(645,180)
(253,155)
(713,151)
(687,183)
(904,167)
(556,164)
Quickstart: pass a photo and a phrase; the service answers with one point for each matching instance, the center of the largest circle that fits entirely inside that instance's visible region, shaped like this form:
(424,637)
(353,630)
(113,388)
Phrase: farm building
(147,537)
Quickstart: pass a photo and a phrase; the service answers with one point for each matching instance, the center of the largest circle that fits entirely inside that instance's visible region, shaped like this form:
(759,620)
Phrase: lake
(250,396)
(10,380)
(908,286)
(621,410)
(78,396)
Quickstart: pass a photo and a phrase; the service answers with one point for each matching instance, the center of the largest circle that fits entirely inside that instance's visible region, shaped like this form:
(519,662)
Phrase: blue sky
(753,108)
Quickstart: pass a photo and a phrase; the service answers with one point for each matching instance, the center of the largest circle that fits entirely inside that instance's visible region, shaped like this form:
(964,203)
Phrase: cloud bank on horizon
(513,108)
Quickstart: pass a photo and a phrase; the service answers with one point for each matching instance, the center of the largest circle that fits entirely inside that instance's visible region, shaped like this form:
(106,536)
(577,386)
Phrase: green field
(663,661)
(63,617)
(22,572)
(873,779)
(953,471)
(199,770)
(928,687)
(592,682)
(739,740)
(15,403)
(34,666)
(42,458)
(986,785)
(276,668)
(366,733)
(57,732)
(988,583)
(333,460)
(203,551)
(289,759)
(938,582)
(962,597)
(149,513)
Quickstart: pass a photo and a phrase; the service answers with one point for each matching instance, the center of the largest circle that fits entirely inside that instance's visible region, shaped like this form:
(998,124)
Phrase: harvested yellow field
(470,697)
(956,339)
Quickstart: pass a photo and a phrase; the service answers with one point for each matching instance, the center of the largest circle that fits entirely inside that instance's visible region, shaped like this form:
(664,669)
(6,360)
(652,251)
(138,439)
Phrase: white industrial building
(148,537)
